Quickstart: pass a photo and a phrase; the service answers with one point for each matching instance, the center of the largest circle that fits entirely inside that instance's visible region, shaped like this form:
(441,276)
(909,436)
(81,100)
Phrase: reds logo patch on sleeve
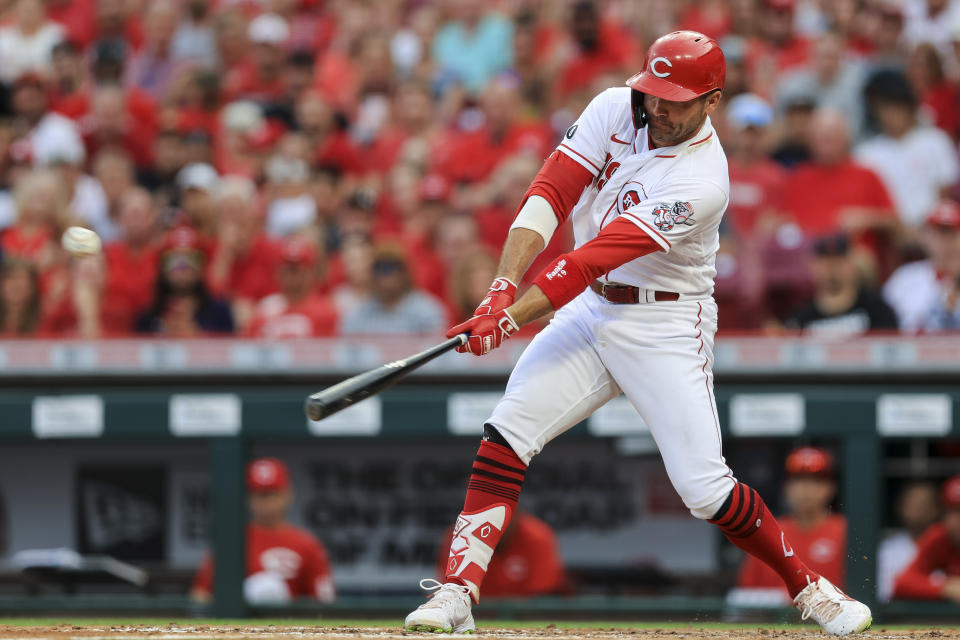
(668,215)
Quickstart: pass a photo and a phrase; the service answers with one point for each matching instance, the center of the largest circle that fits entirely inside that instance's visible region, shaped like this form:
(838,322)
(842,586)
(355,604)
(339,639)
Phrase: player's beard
(666,135)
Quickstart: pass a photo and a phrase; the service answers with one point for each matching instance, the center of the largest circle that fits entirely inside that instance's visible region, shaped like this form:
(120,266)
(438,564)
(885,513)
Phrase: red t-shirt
(131,276)
(276,318)
(823,549)
(815,195)
(616,48)
(253,275)
(60,320)
(527,561)
(244,81)
(292,552)
(935,553)
(753,189)
(471,156)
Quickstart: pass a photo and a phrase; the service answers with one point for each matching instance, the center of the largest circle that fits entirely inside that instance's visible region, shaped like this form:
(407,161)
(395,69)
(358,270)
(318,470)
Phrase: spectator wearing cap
(926,294)
(841,306)
(283,561)
(260,78)
(832,192)
(154,67)
(934,573)
(242,263)
(917,508)
(917,162)
(197,183)
(394,305)
(182,305)
(132,258)
(26,43)
(832,79)
(756,182)
(473,45)
(814,532)
(298,310)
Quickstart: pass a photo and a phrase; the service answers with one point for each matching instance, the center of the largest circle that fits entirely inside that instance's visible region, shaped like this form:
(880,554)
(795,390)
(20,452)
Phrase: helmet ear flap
(636,107)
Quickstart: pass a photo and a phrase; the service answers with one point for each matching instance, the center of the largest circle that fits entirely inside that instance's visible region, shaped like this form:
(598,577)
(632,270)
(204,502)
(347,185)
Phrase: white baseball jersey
(676,194)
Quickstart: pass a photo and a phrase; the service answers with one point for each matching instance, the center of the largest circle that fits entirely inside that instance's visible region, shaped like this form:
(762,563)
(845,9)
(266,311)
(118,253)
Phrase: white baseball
(81,242)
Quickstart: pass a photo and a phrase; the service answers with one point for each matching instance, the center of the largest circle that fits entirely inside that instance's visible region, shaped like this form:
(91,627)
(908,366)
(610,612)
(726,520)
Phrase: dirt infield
(228,632)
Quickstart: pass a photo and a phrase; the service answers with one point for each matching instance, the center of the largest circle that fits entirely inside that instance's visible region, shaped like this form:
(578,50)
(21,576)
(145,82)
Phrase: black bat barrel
(362,386)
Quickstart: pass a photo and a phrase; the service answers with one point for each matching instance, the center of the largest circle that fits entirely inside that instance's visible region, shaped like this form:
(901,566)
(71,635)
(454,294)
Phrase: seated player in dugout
(815,533)
(527,563)
(644,182)
(284,562)
(934,573)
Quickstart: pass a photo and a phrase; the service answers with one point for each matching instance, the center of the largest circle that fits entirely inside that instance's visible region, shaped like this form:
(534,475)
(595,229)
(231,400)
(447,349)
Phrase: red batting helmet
(679,66)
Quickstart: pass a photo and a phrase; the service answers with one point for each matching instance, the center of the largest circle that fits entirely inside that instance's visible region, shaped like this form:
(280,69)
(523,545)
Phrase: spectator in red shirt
(315,119)
(527,563)
(261,79)
(813,531)
(242,262)
(470,156)
(283,561)
(19,298)
(111,122)
(69,73)
(297,310)
(601,46)
(934,573)
(778,48)
(83,309)
(832,192)
(132,259)
(938,96)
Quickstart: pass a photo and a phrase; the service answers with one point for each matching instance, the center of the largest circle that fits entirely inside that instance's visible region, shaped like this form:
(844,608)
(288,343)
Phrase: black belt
(626,294)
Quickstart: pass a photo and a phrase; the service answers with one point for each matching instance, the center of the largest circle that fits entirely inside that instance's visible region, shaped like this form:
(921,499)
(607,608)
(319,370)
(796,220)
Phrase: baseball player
(644,181)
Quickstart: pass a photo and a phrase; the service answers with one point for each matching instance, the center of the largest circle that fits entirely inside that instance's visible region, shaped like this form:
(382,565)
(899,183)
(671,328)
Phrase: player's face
(671,123)
(269,508)
(808,494)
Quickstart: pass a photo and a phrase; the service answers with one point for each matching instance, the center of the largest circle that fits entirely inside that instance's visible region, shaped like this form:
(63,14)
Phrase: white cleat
(834,610)
(447,610)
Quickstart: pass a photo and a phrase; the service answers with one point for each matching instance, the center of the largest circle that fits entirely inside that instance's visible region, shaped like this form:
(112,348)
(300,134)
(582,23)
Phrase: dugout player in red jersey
(813,531)
(283,561)
(934,573)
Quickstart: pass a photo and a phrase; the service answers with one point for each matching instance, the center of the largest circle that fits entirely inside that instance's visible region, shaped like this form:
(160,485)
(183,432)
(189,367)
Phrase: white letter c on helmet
(653,67)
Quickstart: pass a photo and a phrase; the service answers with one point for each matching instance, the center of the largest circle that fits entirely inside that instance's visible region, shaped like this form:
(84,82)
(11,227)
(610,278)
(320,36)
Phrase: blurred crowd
(293,168)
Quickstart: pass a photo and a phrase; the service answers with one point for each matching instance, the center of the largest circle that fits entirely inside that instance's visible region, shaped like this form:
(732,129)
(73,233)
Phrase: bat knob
(313,410)
(464,338)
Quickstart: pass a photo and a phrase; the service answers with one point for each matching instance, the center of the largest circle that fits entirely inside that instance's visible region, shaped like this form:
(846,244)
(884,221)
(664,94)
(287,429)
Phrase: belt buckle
(603,290)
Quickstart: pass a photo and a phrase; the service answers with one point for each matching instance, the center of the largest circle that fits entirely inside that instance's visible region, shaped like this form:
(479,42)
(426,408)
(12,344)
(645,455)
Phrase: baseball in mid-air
(81,242)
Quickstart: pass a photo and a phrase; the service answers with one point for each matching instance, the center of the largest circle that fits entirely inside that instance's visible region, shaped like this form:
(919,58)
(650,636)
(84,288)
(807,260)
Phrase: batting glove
(487,332)
(500,296)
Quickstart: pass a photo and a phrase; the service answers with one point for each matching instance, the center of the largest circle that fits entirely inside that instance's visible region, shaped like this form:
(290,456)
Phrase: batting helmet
(679,66)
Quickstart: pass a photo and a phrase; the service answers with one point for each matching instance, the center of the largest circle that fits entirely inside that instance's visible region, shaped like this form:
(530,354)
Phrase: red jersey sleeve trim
(560,181)
(653,233)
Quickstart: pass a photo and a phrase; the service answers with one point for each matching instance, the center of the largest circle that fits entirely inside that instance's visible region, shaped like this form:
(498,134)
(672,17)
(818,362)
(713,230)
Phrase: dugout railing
(234,393)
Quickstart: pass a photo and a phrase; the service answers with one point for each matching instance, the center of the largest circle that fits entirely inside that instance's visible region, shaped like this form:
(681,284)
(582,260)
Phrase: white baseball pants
(660,355)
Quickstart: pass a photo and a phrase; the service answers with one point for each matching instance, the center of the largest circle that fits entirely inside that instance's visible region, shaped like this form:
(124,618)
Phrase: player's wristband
(562,281)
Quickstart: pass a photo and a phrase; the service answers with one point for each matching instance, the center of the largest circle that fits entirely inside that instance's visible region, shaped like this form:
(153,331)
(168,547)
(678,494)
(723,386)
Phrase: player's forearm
(521,248)
(532,305)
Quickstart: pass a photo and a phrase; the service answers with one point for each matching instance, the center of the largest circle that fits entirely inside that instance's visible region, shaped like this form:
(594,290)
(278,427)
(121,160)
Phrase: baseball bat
(363,385)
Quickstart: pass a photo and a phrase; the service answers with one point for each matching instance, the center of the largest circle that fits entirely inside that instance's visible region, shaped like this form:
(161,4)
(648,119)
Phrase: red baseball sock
(492,495)
(747,523)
